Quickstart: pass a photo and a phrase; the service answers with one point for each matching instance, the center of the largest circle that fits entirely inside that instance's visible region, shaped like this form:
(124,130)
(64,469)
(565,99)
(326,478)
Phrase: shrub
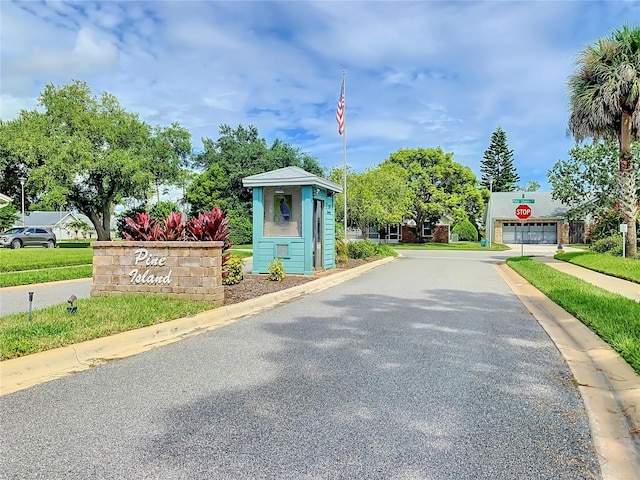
(162,209)
(173,227)
(73,244)
(8,216)
(384,250)
(206,227)
(342,250)
(212,226)
(143,228)
(276,270)
(241,230)
(361,249)
(605,225)
(466,231)
(410,236)
(121,222)
(232,271)
(610,245)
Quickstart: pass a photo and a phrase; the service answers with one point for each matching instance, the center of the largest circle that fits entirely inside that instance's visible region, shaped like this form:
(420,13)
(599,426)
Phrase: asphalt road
(426,368)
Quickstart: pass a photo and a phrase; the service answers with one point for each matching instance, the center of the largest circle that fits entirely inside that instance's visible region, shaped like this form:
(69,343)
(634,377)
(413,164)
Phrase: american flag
(340,111)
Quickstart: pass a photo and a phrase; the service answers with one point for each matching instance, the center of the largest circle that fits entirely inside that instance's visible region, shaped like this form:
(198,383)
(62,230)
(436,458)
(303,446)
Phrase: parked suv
(19,237)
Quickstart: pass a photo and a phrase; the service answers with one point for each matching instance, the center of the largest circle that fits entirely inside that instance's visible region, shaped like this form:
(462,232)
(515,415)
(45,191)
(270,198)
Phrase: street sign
(523,212)
(523,200)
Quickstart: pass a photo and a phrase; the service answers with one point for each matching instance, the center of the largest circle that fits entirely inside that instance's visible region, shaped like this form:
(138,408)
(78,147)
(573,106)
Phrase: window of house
(427,231)
(395,232)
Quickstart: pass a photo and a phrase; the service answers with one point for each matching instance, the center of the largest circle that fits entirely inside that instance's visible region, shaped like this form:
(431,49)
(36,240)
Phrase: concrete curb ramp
(609,387)
(24,372)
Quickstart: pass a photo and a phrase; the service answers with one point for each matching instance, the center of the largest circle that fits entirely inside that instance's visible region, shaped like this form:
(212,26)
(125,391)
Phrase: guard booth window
(282,212)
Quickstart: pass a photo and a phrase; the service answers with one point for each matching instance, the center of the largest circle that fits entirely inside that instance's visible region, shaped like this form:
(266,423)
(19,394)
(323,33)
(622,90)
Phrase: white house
(58,222)
(4,200)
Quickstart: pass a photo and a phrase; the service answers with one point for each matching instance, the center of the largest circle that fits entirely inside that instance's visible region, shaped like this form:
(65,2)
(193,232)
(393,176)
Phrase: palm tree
(79,226)
(605,104)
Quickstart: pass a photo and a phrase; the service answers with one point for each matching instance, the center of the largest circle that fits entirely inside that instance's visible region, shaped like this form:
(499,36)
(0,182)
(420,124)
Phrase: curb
(24,372)
(609,387)
(48,284)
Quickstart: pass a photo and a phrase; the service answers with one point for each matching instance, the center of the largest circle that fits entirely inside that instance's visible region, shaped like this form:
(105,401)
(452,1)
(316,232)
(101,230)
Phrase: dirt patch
(253,286)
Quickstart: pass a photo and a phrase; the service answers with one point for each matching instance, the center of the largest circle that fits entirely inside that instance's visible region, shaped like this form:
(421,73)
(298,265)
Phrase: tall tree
(170,154)
(83,152)
(498,164)
(587,181)
(379,196)
(12,165)
(604,104)
(439,186)
(8,216)
(236,154)
(529,186)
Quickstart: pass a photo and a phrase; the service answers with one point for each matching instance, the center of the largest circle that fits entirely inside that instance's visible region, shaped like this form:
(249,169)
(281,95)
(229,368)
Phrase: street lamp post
(22,180)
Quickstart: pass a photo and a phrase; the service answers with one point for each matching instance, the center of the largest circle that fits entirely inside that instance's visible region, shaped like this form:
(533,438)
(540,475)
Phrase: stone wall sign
(178,269)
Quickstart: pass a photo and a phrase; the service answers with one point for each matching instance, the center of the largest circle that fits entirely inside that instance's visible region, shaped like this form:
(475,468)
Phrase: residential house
(4,200)
(404,232)
(58,222)
(548,223)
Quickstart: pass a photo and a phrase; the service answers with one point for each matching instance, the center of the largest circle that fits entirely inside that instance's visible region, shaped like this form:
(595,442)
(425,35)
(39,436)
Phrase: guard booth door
(318,234)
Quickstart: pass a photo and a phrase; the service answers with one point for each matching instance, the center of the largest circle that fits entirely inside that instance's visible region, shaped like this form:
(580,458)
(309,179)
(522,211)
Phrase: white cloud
(88,56)
(418,73)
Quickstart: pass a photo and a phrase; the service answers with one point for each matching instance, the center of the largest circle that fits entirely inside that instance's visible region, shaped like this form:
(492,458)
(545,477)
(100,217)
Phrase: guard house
(293,219)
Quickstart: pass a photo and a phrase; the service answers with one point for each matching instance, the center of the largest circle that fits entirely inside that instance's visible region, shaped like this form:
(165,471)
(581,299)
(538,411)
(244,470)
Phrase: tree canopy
(378,196)
(439,186)
(86,152)
(604,104)
(498,171)
(236,154)
(587,181)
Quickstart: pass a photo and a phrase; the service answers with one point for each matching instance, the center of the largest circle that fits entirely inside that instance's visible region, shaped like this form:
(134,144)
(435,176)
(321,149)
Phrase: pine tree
(498,164)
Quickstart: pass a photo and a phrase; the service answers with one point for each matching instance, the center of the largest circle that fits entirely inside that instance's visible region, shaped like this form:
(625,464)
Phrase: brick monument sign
(190,270)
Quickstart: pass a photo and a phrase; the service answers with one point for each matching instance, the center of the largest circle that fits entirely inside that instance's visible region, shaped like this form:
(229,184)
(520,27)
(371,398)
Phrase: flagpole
(344,157)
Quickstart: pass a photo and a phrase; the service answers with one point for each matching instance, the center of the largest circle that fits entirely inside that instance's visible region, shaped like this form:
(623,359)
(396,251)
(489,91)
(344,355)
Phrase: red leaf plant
(212,226)
(143,228)
(174,227)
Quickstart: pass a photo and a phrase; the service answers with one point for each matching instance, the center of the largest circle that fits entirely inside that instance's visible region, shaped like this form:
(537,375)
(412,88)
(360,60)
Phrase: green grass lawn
(580,246)
(38,258)
(53,326)
(625,268)
(240,253)
(495,247)
(613,318)
(12,279)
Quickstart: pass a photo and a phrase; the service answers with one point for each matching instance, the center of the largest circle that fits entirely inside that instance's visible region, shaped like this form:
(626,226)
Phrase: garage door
(530,233)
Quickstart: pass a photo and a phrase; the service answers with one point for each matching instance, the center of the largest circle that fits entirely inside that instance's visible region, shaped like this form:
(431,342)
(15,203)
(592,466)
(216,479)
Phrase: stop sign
(523,212)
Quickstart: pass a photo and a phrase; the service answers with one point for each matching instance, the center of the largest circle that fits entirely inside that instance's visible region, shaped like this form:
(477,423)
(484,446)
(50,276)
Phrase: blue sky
(419,74)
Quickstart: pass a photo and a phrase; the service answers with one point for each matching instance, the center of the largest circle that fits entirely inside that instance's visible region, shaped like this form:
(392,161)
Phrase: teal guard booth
(293,219)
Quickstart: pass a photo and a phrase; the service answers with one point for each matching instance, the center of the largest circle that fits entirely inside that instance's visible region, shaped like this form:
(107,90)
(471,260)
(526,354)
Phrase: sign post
(623,231)
(523,211)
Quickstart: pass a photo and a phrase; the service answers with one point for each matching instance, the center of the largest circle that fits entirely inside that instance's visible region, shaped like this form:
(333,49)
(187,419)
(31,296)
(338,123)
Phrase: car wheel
(16,243)
(51,244)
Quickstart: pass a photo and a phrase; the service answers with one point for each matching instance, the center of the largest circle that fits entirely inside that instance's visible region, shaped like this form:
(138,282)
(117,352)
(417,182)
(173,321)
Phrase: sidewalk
(612,284)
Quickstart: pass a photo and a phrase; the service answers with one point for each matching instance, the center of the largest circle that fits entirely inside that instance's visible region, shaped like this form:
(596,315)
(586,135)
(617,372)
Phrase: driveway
(427,367)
